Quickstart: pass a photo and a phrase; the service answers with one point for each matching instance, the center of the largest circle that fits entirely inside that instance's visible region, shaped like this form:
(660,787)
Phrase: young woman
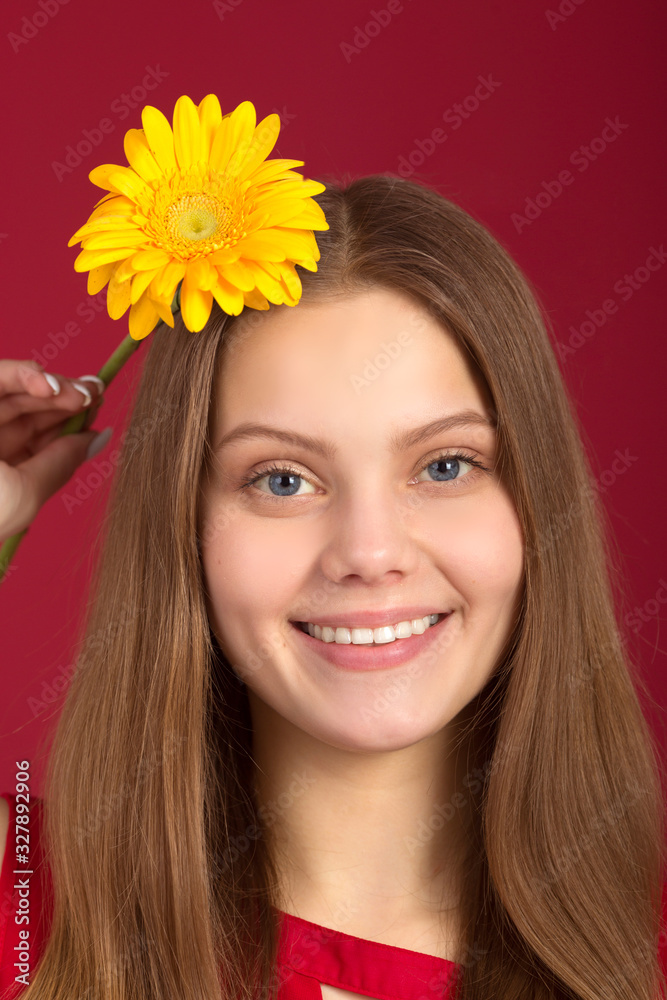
(353,715)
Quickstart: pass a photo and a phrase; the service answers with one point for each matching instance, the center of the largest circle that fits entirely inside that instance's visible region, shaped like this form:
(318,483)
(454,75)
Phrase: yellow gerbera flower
(199,206)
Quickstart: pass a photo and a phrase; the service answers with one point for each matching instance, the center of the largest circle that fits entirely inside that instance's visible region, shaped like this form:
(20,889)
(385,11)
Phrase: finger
(24,376)
(74,396)
(25,487)
(27,433)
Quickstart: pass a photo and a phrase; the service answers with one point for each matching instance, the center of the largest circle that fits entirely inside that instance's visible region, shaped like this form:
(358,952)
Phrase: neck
(368,843)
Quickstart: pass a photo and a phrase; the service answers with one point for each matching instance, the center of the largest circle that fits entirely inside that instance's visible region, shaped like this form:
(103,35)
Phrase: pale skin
(349,770)
(35,461)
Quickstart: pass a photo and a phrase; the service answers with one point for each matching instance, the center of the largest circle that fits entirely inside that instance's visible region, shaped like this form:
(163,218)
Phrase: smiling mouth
(368,636)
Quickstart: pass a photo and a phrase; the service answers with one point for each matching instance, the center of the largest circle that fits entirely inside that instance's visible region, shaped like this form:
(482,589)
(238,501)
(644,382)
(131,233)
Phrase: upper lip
(376,619)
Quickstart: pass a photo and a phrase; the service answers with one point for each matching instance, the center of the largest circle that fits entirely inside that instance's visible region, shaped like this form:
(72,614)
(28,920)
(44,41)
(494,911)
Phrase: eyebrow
(326,449)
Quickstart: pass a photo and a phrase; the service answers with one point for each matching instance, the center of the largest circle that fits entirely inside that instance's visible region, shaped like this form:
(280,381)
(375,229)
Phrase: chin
(378,730)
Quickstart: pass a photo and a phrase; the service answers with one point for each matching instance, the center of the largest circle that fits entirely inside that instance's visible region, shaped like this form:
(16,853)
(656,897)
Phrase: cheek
(251,570)
(482,551)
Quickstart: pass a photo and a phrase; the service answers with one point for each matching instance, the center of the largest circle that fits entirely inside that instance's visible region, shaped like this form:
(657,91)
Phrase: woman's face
(362,516)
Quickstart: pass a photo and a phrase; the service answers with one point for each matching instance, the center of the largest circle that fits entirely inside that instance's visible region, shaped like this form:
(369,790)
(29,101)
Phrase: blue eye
(285,480)
(446,467)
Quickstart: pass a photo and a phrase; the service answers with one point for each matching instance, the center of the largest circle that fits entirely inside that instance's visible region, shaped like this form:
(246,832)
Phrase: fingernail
(99,442)
(53,382)
(86,392)
(93,378)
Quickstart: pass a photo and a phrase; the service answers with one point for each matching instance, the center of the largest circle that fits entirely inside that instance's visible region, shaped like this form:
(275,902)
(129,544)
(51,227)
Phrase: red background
(353,100)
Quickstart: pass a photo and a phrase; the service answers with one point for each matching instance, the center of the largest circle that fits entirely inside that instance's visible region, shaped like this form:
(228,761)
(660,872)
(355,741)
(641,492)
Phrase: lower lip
(351,656)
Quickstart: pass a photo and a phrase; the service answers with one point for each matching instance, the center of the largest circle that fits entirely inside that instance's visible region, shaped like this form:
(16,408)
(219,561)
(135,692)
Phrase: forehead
(371,356)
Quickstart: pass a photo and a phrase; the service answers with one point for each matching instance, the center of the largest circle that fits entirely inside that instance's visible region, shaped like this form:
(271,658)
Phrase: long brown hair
(163,876)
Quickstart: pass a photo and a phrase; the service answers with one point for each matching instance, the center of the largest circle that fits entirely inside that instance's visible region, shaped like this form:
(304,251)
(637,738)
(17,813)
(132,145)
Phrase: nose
(370,539)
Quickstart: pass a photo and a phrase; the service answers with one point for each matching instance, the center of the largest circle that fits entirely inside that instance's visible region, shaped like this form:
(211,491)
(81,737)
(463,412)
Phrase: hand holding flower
(35,459)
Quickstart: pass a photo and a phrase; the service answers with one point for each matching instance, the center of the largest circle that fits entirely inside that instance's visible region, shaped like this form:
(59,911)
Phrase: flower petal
(118,298)
(140,282)
(293,187)
(204,273)
(139,155)
(263,141)
(210,117)
(195,305)
(187,132)
(143,318)
(310,217)
(292,244)
(225,256)
(308,263)
(129,183)
(234,132)
(255,246)
(147,260)
(272,169)
(98,277)
(239,275)
(230,299)
(159,137)
(267,285)
(95,258)
(245,124)
(118,211)
(130,238)
(124,270)
(100,176)
(102,226)
(290,280)
(256,300)
(167,279)
(163,310)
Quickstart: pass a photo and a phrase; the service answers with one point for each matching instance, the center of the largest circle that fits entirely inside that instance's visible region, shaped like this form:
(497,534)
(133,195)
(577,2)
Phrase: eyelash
(274,468)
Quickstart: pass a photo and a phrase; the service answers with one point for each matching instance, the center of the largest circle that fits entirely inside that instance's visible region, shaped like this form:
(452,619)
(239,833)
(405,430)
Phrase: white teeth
(371,636)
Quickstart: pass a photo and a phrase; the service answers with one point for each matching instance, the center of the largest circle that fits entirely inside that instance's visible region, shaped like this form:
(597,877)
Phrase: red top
(308,954)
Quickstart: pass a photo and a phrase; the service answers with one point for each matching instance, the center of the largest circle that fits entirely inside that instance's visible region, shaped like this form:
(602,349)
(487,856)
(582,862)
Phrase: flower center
(195,213)
(193,216)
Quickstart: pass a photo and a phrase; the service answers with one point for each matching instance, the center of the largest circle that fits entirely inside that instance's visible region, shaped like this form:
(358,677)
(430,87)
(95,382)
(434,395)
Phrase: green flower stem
(72,426)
